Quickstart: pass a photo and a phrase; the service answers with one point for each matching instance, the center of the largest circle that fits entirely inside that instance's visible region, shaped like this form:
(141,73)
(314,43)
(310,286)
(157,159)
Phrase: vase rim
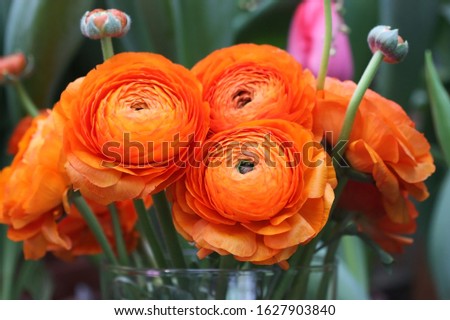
(162,271)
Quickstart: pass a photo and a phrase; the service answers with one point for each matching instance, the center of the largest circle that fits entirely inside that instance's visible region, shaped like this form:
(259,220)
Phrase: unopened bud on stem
(99,23)
(12,66)
(393,47)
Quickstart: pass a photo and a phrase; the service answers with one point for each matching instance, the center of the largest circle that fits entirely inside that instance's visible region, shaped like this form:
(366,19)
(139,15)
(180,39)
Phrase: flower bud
(393,47)
(99,23)
(12,66)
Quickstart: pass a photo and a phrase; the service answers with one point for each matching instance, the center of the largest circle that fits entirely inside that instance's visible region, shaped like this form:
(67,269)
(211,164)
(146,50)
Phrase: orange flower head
(256,192)
(247,82)
(365,201)
(383,143)
(130,125)
(32,188)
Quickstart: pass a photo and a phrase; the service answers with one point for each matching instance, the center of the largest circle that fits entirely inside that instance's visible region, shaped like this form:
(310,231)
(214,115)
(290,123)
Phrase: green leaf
(187,31)
(361,17)
(5,123)
(441,48)
(11,252)
(183,31)
(440,105)
(439,240)
(4,9)
(445,10)
(3,230)
(151,29)
(417,22)
(201,26)
(48,31)
(33,278)
(266,22)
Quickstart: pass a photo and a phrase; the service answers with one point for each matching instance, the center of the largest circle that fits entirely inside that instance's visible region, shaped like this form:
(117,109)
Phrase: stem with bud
(363,85)
(27,103)
(107,48)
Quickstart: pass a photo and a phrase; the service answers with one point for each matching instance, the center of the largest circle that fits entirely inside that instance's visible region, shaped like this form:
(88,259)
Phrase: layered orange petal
(32,189)
(383,127)
(365,200)
(247,82)
(256,192)
(385,144)
(130,126)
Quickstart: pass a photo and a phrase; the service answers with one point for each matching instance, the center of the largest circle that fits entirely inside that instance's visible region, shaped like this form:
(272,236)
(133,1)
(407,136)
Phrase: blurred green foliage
(18,277)
(186,31)
(416,21)
(439,253)
(440,102)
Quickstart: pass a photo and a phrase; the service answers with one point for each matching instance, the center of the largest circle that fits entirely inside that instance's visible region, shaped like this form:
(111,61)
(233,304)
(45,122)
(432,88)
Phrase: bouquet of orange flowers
(247,157)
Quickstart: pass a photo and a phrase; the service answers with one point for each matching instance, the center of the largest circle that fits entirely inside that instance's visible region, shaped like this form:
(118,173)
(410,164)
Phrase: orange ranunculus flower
(32,188)
(83,240)
(248,82)
(365,201)
(383,143)
(129,126)
(256,191)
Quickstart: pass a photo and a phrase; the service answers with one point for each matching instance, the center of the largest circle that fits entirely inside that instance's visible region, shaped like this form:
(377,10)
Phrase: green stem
(329,259)
(94,225)
(333,245)
(326,46)
(170,234)
(118,236)
(227,263)
(300,283)
(342,228)
(363,85)
(11,251)
(107,48)
(384,257)
(146,253)
(287,277)
(147,232)
(27,103)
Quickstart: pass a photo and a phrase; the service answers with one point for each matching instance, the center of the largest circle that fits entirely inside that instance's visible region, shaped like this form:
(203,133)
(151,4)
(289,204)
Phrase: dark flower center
(137,106)
(242,97)
(245,166)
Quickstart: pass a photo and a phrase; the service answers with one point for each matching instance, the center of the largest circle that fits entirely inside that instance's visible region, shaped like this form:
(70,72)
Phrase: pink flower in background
(306,37)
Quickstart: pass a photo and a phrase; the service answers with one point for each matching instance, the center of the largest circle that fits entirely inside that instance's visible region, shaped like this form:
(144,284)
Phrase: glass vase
(184,284)
(300,283)
(314,282)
